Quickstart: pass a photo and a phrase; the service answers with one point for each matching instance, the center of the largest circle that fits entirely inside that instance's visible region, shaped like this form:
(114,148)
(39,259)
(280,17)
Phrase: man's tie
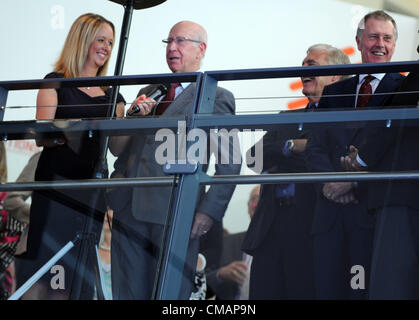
(167,100)
(365,92)
(311,106)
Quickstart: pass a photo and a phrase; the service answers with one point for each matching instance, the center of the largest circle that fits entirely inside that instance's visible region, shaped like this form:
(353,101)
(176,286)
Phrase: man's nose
(171,46)
(380,42)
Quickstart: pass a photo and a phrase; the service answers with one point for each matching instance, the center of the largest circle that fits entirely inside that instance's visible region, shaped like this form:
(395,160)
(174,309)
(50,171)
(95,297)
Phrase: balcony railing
(183,208)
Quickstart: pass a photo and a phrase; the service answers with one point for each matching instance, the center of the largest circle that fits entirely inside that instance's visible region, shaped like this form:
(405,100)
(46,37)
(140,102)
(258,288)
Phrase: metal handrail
(222,75)
(168,181)
(14,130)
(30,129)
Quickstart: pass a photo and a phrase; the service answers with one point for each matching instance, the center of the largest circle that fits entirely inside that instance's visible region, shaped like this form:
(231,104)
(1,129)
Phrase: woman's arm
(46,106)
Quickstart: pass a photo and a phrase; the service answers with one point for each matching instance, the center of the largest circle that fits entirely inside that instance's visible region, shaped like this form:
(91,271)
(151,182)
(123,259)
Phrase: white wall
(242,34)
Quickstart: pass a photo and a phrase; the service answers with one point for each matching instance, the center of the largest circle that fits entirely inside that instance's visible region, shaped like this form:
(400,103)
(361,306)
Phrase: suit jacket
(150,204)
(274,161)
(227,290)
(394,149)
(327,144)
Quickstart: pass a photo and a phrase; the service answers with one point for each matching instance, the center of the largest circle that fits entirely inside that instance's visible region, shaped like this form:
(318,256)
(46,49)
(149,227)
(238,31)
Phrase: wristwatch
(289,144)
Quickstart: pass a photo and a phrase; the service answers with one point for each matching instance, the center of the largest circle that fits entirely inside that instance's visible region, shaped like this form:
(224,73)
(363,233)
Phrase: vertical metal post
(3,100)
(207,95)
(184,209)
(123,42)
(119,66)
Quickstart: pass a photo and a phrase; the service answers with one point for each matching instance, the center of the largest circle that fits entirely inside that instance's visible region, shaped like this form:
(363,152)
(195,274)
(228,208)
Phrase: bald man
(140,213)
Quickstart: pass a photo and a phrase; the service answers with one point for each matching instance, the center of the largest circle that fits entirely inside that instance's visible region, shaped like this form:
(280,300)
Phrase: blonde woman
(57,216)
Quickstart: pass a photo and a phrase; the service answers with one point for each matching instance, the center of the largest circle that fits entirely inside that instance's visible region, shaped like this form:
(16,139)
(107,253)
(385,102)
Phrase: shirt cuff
(362,163)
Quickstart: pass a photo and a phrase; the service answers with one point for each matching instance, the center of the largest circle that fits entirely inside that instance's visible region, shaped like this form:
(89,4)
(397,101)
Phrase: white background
(242,34)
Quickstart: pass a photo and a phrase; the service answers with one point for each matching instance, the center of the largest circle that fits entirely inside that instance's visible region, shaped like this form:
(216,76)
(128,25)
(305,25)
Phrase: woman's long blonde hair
(76,47)
(3,163)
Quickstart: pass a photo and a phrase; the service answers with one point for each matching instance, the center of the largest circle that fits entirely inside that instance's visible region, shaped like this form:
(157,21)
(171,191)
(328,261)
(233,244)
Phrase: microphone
(159,92)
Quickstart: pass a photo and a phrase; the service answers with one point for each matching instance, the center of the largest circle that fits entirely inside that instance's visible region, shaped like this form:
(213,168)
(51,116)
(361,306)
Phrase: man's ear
(336,78)
(203,48)
(358,42)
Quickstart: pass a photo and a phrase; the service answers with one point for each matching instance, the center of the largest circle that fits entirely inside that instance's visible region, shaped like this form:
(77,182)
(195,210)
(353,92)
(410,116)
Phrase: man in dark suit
(140,213)
(230,281)
(278,237)
(342,227)
(395,264)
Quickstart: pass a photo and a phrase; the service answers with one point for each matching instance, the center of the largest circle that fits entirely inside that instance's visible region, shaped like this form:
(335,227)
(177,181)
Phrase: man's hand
(144,105)
(201,225)
(349,161)
(299,145)
(346,198)
(335,190)
(235,272)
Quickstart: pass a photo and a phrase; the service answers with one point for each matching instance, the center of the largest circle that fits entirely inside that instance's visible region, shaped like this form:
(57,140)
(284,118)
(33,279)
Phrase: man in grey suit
(140,213)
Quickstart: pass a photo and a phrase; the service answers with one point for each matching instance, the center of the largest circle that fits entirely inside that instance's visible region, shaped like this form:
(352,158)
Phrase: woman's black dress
(57,216)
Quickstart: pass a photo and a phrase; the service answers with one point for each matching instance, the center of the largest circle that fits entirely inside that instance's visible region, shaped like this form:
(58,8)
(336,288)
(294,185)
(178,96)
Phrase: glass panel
(136,217)
(316,240)
(140,216)
(311,235)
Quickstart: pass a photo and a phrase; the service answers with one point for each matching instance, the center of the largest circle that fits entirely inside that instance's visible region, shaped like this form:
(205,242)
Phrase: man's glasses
(180,41)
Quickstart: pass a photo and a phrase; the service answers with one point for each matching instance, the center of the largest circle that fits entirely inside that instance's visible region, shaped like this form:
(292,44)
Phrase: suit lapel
(387,85)
(350,92)
(183,103)
(349,99)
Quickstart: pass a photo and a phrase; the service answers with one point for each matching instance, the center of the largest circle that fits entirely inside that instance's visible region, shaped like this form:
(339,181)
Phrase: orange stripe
(296,85)
(349,50)
(297,104)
